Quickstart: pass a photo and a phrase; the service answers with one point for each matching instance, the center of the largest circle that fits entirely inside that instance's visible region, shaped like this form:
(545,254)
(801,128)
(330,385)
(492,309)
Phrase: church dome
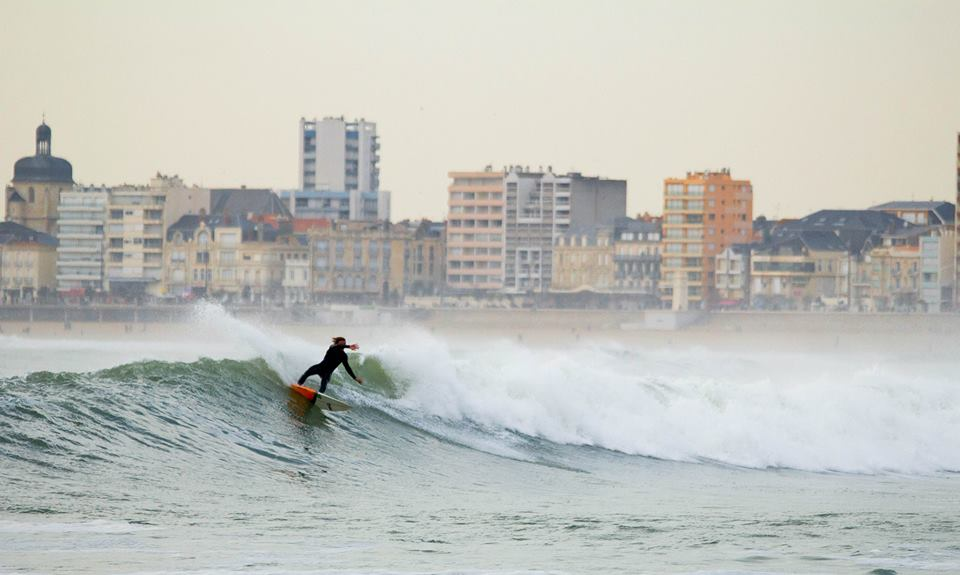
(43,167)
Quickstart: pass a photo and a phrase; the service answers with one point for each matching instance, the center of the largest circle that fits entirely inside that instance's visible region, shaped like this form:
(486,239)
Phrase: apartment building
(339,172)
(703,214)
(80,234)
(583,261)
(475,231)
(609,266)
(732,276)
(637,259)
(348,261)
(911,269)
(137,218)
(542,206)
(233,259)
(807,269)
(424,257)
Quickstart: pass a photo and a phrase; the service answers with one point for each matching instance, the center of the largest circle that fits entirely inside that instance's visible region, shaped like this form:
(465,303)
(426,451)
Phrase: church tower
(34,193)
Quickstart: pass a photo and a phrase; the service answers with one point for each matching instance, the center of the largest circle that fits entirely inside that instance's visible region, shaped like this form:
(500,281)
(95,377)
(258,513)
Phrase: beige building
(475,232)
(137,219)
(584,262)
(803,271)
(28,264)
(610,266)
(346,261)
(33,195)
(911,270)
(241,262)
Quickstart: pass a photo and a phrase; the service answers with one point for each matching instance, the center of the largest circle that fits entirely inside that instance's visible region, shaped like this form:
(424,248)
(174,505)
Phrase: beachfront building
(137,218)
(910,270)
(236,259)
(732,276)
(33,195)
(297,282)
(808,269)
(475,241)
(339,155)
(859,231)
(703,214)
(80,235)
(636,256)
(27,264)
(583,263)
(542,206)
(348,262)
(608,266)
(423,257)
(938,270)
(339,172)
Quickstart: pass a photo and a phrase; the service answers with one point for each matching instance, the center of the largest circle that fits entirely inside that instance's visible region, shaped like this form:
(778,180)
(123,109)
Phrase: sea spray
(862,413)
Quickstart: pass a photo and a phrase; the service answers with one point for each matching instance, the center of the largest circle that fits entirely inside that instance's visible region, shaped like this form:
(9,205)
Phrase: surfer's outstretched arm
(346,366)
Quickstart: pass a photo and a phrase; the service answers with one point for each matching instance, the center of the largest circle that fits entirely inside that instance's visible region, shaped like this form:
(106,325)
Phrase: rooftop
(13,233)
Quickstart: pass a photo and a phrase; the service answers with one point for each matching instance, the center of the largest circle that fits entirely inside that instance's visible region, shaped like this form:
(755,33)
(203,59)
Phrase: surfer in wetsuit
(334,357)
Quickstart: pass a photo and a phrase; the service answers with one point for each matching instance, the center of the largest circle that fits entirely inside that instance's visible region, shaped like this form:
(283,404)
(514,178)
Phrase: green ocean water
(451,463)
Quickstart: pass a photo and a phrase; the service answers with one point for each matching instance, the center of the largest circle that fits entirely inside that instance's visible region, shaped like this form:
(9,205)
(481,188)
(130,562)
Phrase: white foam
(859,413)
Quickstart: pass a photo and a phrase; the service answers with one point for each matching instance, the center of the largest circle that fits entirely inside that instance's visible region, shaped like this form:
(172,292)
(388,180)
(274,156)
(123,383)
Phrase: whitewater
(188,454)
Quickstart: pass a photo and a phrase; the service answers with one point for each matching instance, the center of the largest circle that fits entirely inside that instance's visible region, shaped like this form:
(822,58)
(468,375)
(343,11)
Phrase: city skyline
(846,116)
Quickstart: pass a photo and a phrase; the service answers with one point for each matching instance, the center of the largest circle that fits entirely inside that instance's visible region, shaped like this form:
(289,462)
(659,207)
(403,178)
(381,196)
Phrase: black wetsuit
(334,357)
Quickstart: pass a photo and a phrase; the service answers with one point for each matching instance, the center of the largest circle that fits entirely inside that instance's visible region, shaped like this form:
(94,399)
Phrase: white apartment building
(137,219)
(339,171)
(80,232)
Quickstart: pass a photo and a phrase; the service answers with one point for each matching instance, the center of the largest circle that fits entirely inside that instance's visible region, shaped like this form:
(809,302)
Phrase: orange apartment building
(703,214)
(475,231)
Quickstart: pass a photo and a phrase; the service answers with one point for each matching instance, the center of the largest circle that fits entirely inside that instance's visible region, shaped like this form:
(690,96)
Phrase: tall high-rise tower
(339,171)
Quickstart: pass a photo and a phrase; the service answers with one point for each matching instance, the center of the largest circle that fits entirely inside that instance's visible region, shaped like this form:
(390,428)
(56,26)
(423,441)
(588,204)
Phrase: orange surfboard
(324,401)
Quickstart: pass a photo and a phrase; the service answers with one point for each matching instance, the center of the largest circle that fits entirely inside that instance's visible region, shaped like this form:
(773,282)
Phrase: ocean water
(192,456)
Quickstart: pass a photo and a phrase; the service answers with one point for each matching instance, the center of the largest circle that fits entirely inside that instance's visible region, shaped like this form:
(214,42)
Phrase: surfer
(334,357)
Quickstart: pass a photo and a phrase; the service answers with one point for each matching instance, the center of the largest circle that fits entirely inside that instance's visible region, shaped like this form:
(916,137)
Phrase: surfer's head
(339,340)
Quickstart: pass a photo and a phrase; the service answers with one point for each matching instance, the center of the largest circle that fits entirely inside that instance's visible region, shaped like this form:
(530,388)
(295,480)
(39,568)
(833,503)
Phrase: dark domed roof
(42,169)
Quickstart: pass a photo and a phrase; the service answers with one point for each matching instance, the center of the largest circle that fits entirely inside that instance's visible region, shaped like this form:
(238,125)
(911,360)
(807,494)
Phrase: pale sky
(840,104)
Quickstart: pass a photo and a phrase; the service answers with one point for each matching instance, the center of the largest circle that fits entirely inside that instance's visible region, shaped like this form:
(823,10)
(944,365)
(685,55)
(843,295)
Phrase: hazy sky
(821,104)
